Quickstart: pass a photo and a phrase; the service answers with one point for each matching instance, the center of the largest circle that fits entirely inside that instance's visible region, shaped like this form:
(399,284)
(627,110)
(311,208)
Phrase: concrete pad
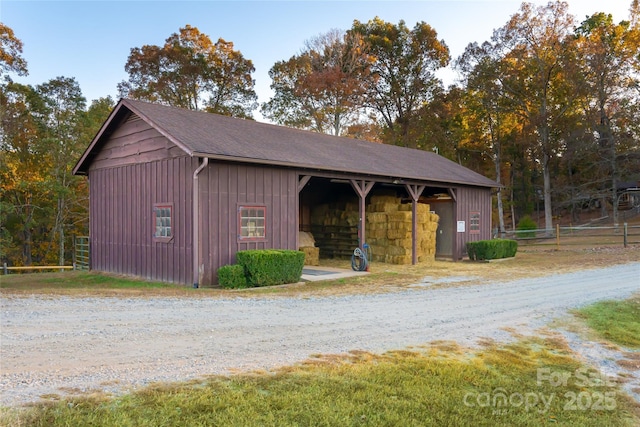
(314,273)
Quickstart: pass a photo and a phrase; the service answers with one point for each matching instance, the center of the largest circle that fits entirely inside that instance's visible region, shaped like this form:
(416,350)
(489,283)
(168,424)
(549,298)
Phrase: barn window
(474,223)
(162,214)
(251,222)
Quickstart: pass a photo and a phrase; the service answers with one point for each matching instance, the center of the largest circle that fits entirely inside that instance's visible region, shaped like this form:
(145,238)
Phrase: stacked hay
(307,244)
(389,226)
(335,227)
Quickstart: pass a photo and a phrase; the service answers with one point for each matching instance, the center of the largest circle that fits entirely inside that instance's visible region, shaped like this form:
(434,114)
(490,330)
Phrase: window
(252,222)
(163,224)
(474,223)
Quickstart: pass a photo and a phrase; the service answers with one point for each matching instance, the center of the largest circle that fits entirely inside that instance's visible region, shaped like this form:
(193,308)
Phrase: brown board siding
(134,142)
(223,188)
(468,200)
(122,220)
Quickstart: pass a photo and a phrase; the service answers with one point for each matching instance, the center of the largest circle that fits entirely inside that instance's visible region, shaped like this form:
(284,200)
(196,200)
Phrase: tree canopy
(190,71)
(548,106)
(404,62)
(321,88)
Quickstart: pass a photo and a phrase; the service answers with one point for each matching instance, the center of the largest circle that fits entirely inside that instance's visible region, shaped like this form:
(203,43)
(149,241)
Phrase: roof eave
(251,160)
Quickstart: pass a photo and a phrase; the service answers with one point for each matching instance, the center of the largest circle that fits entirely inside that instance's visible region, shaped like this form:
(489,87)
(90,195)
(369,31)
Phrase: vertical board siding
(472,199)
(223,188)
(122,222)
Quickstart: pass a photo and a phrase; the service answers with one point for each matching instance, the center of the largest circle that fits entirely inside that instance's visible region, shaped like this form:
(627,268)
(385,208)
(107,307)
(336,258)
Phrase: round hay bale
(305,239)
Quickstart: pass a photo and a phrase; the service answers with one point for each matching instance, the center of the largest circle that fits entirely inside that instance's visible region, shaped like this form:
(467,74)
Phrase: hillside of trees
(549,107)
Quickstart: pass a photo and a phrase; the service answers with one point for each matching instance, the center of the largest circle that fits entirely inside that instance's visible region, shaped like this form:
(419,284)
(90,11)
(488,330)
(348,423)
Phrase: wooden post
(626,233)
(6,271)
(362,187)
(414,191)
(558,237)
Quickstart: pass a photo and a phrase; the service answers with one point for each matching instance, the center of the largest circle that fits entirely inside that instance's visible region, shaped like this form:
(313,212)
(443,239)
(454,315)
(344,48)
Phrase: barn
(175,193)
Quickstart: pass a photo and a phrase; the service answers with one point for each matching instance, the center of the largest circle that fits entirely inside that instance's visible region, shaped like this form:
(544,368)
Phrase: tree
(488,116)
(610,60)
(537,72)
(321,88)
(190,71)
(11,59)
(63,117)
(22,180)
(403,69)
(42,205)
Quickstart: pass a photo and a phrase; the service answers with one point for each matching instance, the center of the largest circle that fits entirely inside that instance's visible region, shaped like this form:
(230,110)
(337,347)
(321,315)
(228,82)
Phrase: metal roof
(204,134)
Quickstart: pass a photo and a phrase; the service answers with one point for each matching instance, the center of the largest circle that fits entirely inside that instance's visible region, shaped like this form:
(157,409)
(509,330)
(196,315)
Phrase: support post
(414,191)
(362,188)
(626,233)
(558,237)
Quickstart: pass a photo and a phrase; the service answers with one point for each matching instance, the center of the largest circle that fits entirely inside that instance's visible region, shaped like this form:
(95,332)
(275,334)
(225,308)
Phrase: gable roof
(202,134)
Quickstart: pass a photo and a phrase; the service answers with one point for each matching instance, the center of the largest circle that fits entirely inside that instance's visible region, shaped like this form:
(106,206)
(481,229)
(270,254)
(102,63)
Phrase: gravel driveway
(60,344)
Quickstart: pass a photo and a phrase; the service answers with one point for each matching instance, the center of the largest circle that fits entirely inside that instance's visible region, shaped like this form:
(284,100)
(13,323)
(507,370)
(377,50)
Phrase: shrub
(267,267)
(232,277)
(492,249)
(524,226)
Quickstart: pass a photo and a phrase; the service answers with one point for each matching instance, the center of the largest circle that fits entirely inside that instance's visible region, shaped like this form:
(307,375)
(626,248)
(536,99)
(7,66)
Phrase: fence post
(558,237)
(626,233)
(6,271)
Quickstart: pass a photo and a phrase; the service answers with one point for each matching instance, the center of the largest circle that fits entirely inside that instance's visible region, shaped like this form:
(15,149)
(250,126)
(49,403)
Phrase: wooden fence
(621,235)
(6,269)
(80,259)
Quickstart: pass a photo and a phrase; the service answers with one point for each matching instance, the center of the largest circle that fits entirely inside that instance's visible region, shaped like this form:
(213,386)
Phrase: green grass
(77,281)
(615,321)
(438,385)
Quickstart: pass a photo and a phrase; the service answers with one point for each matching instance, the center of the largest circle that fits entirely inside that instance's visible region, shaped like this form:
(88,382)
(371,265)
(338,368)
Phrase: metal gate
(81,253)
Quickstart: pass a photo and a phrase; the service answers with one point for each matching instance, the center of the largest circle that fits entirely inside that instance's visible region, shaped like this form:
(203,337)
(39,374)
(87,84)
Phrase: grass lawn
(615,321)
(531,382)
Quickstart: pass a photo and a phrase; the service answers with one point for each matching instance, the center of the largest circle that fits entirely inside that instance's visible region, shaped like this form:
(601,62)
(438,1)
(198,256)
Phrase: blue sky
(91,40)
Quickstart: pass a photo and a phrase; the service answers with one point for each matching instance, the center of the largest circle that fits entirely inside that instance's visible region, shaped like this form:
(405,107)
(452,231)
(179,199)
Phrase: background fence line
(623,234)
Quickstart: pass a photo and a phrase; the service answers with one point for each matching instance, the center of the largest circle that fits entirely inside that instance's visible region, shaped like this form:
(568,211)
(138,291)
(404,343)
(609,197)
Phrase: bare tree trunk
(548,212)
(497,161)
(614,180)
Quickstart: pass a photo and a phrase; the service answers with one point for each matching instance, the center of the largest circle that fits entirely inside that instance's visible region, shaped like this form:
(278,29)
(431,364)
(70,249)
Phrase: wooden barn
(175,193)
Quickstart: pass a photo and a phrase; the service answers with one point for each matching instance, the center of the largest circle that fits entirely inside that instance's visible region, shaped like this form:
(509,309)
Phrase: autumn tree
(610,60)
(489,120)
(537,73)
(62,117)
(11,60)
(403,66)
(321,88)
(44,132)
(22,181)
(190,71)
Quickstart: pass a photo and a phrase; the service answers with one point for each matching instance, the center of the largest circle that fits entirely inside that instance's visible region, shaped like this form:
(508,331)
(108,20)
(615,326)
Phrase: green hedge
(232,277)
(492,249)
(526,227)
(267,267)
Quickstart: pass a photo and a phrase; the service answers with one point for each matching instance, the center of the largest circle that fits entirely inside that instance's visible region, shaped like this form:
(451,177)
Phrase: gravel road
(61,344)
